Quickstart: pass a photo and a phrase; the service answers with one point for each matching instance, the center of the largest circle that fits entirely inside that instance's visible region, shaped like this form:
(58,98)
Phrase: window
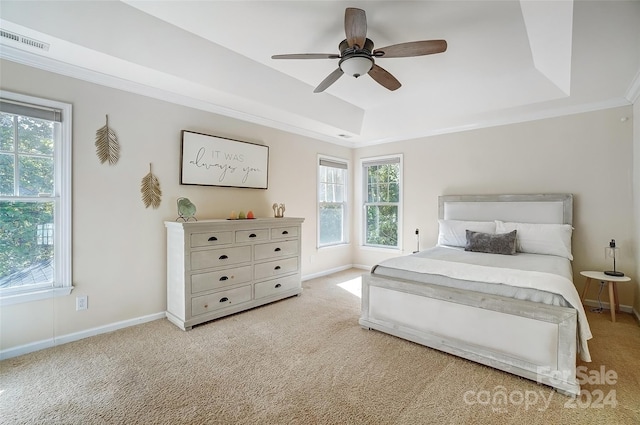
(35,198)
(382,201)
(332,201)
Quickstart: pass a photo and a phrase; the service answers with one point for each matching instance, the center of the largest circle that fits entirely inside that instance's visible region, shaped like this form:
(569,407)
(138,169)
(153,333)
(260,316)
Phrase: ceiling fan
(357,53)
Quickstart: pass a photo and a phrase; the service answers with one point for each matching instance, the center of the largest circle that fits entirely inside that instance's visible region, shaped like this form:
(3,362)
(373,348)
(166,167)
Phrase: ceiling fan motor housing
(356,61)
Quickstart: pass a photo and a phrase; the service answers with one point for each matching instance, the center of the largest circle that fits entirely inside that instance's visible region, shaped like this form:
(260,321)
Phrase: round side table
(614,302)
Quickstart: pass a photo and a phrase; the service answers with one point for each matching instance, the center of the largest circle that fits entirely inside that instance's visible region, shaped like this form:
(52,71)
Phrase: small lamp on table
(611,252)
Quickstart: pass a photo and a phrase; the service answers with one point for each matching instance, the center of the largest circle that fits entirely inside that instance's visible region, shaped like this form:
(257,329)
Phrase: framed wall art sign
(216,161)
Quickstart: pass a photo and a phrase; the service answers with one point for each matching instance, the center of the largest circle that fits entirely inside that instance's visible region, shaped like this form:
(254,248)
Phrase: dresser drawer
(220,300)
(211,239)
(221,278)
(276,286)
(276,249)
(276,268)
(252,235)
(284,232)
(220,257)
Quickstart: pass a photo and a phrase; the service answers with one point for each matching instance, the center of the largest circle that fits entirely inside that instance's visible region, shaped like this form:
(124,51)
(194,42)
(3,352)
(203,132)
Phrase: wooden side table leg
(612,302)
(615,294)
(586,287)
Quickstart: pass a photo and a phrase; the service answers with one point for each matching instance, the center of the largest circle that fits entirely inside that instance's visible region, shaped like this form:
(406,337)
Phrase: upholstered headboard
(543,208)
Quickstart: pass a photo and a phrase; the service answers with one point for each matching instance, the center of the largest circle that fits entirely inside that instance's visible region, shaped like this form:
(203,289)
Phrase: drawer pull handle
(276,268)
(212,239)
(253,235)
(285,233)
(277,250)
(223,257)
(224,278)
(278,285)
(224,300)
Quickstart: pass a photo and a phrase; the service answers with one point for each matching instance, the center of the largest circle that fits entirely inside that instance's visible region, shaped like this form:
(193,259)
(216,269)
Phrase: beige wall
(589,155)
(118,244)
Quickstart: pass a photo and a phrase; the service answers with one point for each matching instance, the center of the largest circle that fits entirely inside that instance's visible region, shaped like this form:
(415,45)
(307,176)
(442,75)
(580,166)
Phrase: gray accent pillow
(501,243)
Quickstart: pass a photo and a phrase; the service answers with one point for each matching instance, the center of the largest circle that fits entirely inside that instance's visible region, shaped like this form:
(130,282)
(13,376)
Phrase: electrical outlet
(82,302)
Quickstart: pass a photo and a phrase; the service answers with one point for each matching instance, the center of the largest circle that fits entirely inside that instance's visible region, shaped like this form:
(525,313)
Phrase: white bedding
(540,272)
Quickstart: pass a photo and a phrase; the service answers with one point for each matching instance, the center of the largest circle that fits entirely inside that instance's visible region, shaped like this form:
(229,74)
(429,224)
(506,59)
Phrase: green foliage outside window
(381,206)
(19,247)
(27,186)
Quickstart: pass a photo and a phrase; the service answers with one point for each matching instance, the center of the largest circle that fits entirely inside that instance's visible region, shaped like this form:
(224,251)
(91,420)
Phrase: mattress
(545,279)
(521,261)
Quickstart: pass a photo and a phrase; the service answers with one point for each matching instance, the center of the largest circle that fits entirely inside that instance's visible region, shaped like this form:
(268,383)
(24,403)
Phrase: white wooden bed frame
(532,340)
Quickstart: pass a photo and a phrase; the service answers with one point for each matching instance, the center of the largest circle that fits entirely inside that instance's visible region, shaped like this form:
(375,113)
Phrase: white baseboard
(331,271)
(623,308)
(52,342)
(326,272)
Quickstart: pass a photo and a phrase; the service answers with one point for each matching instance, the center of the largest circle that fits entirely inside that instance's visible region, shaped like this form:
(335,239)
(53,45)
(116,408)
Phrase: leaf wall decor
(107,147)
(150,189)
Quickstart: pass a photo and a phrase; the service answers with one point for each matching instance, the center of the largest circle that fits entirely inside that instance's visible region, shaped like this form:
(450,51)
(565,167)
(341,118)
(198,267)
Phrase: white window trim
(62,284)
(363,198)
(345,223)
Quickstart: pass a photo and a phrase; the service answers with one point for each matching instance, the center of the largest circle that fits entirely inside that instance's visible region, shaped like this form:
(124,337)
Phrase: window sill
(35,295)
(334,245)
(380,248)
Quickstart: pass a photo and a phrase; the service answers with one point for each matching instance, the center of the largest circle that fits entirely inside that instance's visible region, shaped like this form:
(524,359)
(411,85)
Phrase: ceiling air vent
(24,40)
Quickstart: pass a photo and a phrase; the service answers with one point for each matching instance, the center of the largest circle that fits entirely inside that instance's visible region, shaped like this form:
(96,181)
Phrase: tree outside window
(382,201)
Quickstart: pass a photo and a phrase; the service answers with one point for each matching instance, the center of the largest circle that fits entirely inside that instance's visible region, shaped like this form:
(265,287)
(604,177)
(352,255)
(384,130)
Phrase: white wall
(118,244)
(589,155)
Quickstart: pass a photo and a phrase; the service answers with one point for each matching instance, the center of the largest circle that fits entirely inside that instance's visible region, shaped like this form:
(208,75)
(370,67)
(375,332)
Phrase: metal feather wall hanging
(150,189)
(107,147)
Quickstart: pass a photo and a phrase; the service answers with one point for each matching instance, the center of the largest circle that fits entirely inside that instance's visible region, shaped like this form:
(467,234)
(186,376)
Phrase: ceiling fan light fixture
(356,65)
(357,56)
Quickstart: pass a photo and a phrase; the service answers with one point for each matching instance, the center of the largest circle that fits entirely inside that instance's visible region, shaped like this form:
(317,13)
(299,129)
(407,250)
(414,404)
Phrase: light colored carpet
(304,360)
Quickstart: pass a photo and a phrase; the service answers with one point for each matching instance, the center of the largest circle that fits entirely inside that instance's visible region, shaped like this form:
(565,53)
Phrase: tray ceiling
(507,61)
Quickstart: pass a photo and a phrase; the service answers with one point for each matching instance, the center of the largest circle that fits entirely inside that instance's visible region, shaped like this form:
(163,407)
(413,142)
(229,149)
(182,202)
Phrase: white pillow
(454,232)
(549,239)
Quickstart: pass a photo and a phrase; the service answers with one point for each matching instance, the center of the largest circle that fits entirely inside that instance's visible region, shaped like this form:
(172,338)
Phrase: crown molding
(52,65)
(509,120)
(43,63)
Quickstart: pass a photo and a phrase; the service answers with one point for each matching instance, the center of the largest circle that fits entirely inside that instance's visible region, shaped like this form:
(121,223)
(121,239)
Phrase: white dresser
(220,267)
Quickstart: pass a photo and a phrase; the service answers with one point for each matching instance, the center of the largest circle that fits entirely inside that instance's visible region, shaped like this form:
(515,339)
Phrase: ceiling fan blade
(307,56)
(412,48)
(332,78)
(355,26)
(384,78)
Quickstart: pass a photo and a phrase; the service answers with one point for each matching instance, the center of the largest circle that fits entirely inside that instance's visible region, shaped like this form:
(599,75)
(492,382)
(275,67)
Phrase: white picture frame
(208,160)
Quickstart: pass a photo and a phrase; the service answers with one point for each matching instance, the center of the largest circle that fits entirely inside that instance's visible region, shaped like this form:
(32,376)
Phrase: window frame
(345,202)
(62,198)
(378,160)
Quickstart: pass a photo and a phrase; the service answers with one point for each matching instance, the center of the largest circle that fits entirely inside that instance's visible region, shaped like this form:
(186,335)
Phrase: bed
(519,313)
